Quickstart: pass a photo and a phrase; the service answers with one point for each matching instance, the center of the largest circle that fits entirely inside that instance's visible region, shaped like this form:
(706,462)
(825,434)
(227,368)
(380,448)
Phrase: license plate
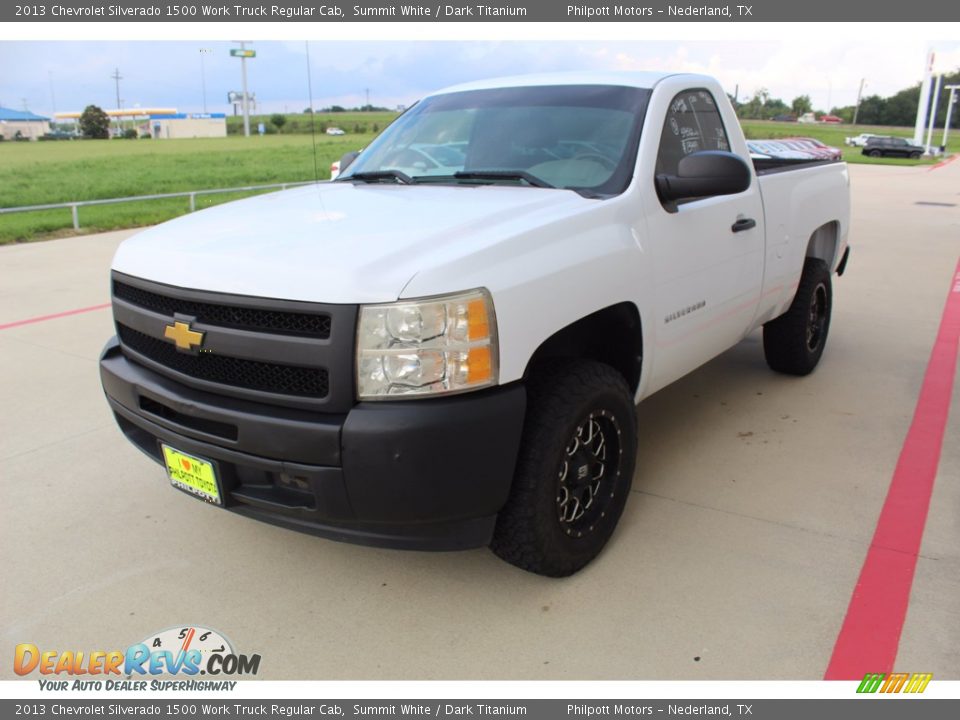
(197,477)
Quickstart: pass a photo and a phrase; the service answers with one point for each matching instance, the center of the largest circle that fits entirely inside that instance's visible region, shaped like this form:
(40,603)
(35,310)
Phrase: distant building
(185,125)
(22,124)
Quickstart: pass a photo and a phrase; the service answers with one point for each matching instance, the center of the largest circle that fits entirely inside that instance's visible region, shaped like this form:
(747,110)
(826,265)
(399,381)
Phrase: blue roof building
(22,124)
(8,115)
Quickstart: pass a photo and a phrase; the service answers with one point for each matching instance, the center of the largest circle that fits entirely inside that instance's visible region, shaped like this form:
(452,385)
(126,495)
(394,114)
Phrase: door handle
(743,224)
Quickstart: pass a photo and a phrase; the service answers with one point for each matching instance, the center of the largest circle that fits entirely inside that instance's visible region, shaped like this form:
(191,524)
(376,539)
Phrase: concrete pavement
(755,500)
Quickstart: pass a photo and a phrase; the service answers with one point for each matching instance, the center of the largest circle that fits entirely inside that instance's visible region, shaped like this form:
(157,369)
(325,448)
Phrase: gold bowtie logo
(183,337)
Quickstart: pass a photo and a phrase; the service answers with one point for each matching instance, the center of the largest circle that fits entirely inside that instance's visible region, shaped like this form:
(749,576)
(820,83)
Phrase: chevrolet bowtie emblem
(183,337)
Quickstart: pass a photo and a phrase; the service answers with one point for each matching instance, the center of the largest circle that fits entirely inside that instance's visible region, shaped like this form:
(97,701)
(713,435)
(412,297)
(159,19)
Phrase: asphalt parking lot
(755,501)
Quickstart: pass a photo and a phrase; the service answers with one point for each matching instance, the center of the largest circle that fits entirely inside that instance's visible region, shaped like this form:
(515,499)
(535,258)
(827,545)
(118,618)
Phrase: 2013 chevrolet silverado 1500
(442,349)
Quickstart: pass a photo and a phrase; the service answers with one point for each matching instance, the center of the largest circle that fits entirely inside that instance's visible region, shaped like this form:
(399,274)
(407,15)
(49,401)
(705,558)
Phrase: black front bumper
(423,474)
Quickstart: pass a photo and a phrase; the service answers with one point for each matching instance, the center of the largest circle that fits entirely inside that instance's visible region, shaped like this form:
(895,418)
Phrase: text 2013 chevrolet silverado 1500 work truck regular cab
(443,348)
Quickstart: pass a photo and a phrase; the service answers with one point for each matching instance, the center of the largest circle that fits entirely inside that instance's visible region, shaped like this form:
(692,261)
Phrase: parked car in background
(831,119)
(784,118)
(335,131)
(777,149)
(860,140)
(814,147)
(892,147)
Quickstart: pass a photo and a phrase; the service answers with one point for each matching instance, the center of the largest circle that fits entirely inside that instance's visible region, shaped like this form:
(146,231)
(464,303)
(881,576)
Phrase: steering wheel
(410,157)
(603,160)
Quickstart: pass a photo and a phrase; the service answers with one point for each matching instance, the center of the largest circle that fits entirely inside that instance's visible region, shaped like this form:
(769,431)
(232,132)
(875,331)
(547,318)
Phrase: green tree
(94,122)
(753,108)
(278,120)
(801,105)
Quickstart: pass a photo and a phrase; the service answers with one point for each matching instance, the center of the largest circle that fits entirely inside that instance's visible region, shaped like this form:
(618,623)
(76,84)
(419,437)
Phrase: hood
(336,242)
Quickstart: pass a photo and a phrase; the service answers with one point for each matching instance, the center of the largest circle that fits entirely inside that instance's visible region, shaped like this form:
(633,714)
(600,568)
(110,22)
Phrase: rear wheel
(794,342)
(574,471)
(874,153)
(914,156)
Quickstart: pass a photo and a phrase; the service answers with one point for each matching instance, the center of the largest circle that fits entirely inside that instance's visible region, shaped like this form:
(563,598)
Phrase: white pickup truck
(442,349)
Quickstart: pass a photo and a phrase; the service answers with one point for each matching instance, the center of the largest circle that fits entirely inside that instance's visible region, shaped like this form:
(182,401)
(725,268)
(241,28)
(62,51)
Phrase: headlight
(427,347)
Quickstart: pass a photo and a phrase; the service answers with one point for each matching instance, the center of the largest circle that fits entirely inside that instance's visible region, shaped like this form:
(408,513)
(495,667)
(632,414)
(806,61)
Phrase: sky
(48,76)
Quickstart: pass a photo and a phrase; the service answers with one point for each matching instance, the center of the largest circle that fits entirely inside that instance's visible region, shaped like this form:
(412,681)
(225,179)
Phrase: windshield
(578,137)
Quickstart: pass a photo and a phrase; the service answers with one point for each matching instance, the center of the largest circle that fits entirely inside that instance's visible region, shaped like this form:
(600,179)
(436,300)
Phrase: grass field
(357,123)
(55,172)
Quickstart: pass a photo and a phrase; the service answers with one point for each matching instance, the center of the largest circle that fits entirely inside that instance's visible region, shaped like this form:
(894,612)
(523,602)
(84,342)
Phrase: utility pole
(53,98)
(946,126)
(117,77)
(203,77)
(863,81)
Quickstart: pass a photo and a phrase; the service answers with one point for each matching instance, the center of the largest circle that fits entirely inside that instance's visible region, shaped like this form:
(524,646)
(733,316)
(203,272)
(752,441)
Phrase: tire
(794,342)
(914,156)
(875,153)
(565,500)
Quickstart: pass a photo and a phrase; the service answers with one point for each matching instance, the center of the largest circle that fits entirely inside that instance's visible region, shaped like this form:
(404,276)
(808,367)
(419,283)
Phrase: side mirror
(347,159)
(705,174)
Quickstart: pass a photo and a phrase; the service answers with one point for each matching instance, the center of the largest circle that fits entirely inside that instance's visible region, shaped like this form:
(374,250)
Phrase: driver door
(709,252)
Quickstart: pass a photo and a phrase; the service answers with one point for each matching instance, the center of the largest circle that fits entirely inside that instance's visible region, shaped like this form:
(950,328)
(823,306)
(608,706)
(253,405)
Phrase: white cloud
(828,67)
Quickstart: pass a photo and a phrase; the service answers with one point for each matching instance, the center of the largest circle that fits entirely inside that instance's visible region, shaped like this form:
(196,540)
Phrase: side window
(693,123)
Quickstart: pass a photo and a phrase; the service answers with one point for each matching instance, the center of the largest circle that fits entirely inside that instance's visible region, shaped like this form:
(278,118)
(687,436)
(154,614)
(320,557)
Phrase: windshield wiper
(503,175)
(373,176)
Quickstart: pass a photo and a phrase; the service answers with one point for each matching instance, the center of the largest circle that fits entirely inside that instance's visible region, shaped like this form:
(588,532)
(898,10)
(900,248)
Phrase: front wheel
(914,156)
(574,470)
(874,153)
(794,342)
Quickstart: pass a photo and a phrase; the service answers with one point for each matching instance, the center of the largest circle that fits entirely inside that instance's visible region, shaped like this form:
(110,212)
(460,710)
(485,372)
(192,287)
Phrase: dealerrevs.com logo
(154,663)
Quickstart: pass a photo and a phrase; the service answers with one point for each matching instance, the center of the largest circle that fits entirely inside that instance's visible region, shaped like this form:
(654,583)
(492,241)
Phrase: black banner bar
(468,11)
(186,707)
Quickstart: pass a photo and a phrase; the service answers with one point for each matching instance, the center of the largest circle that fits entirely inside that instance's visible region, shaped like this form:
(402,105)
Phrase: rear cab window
(693,123)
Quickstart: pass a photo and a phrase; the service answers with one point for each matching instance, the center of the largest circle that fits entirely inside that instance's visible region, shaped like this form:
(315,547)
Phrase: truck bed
(767,166)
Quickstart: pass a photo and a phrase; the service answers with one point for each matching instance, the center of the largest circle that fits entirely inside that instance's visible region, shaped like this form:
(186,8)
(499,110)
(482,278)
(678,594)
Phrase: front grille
(256,319)
(249,374)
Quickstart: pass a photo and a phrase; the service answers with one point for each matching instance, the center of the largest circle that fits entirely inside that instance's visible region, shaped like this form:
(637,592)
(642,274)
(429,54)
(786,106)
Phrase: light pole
(246,95)
(203,77)
(863,81)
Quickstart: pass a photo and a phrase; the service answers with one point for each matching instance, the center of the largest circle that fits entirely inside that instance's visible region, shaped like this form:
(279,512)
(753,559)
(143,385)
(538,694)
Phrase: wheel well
(823,243)
(612,336)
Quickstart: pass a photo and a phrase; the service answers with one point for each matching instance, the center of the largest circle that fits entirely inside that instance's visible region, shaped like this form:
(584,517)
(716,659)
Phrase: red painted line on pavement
(44,318)
(870,634)
(943,162)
